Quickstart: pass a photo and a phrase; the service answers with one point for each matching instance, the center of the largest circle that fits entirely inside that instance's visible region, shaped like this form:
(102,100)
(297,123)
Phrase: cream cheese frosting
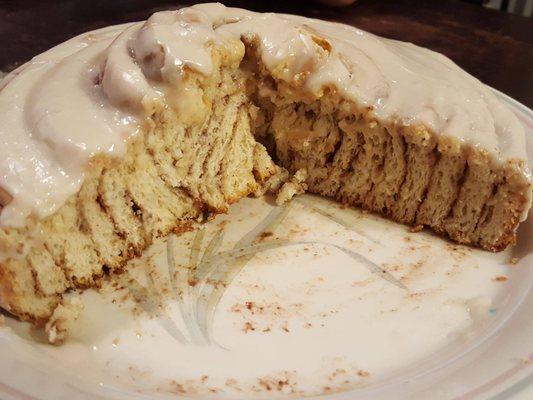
(87,96)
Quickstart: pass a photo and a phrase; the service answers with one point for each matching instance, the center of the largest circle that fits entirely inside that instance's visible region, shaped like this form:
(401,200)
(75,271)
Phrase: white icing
(54,118)
(86,96)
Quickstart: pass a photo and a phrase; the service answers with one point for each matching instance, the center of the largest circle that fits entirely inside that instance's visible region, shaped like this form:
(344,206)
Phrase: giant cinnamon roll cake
(131,132)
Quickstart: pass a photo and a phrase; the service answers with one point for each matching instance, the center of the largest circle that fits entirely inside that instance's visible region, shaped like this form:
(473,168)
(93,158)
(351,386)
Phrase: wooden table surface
(494,46)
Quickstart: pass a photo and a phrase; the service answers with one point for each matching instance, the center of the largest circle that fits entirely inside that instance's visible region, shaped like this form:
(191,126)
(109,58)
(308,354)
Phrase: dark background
(494,46)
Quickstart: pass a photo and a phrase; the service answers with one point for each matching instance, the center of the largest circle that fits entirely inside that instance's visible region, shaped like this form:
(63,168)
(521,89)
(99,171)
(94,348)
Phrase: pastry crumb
(416,228)
(60,324)
(248,327)
(295,186)
(499,278)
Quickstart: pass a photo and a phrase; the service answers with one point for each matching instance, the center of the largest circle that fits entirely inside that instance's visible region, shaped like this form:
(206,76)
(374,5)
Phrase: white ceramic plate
(285,302)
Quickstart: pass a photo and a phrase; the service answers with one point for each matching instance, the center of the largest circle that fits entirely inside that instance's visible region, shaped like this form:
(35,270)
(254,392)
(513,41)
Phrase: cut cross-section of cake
(128,133)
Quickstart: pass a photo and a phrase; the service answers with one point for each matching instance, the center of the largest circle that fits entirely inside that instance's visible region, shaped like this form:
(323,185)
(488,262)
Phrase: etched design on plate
(199,285)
